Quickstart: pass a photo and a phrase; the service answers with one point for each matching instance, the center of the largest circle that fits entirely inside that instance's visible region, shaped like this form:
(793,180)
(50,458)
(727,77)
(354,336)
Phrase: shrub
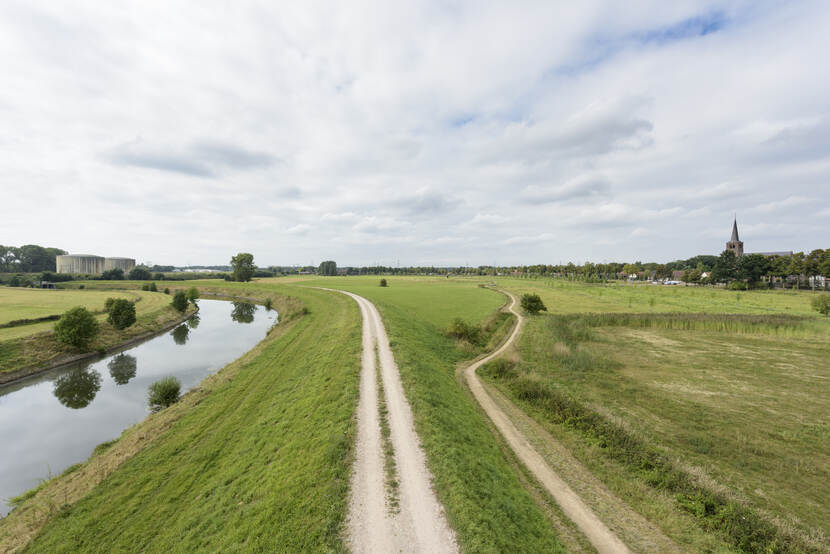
(193,294)
(121,313)
(108,304)
(461,330)
(179,301)
(532,304)
(153,288)
(166,290)
(821,304)
(163,393)
(80,287)
(268,303)
(737,285)
(77,327)
(383,282)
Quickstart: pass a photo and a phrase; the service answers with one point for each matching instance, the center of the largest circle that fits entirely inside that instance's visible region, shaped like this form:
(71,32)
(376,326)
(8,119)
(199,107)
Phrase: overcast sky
(414,132)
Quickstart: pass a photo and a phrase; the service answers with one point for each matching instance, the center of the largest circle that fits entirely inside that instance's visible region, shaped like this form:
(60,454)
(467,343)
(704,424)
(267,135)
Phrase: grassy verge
(256,459)
(477,482)
(681,404)
(390,469)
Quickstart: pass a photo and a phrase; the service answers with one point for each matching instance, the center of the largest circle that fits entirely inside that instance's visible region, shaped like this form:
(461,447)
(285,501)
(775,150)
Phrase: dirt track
(600,536)
(420,524)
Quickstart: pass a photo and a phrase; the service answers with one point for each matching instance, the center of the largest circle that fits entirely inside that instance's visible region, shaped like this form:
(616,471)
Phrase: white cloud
(418,131)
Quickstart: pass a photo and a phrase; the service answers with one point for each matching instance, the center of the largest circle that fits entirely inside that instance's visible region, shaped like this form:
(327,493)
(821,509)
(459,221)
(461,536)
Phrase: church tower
(735,245)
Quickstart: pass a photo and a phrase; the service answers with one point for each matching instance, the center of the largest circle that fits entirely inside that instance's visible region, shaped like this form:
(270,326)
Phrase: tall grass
(737,524)
(780,325)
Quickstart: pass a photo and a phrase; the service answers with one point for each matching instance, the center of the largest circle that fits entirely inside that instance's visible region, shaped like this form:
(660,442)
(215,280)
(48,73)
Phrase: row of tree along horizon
(751,268)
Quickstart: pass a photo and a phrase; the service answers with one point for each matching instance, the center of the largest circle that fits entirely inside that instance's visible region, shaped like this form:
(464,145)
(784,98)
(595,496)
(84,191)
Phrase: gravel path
(600,536)
(419,523)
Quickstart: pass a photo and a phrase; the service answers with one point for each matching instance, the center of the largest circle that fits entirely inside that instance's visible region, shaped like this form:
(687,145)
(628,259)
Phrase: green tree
(752,266)
(77,327)
(193,295)
(329,267)
(821,304)
(114,274)
(726,268)
(796,266)
(121,313)
(532,304)
(139,273)
(812,265)
(243,266)
(179,301)
(383,283)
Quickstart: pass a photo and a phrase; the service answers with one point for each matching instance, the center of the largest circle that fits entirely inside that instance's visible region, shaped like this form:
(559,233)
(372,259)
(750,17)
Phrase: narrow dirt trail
(419,524)
(600,536)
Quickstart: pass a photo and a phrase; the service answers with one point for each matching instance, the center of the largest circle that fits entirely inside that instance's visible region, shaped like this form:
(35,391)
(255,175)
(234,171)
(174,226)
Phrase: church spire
(735,231)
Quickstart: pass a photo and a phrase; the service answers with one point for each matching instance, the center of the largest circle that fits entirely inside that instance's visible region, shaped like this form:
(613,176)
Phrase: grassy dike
(255,459)
(476,479)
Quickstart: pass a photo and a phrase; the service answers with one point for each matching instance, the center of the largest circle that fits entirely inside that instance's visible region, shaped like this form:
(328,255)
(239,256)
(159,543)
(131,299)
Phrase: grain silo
(80,263)
(124,264)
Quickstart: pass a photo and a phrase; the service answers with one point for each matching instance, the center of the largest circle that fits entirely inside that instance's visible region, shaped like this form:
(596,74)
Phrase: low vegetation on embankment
(26,342)
(715,427)
(476,478)
(257,458)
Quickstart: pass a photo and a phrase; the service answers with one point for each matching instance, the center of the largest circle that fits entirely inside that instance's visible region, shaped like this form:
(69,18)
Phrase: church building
(736,245)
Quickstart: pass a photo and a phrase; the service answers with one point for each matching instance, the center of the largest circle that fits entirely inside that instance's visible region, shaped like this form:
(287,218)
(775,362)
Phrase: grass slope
(476,481)
(259,464)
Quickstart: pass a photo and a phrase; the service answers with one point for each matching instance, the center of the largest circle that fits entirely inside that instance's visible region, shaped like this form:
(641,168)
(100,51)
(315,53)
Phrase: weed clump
(163,393)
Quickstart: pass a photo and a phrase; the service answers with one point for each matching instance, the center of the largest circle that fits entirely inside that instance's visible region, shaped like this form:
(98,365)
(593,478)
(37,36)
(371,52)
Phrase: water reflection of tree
(122,368)
(180,334)
(77,388)
(243,312)
(194,321)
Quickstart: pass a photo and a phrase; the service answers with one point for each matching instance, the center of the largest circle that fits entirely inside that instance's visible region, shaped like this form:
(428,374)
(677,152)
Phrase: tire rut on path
(419,524)
(597,532)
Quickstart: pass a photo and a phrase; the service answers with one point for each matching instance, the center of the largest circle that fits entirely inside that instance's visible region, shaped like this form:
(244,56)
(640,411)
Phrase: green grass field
(30,344)
(562,296)
(476,480)
(18,303)
(742,413)
(257,459)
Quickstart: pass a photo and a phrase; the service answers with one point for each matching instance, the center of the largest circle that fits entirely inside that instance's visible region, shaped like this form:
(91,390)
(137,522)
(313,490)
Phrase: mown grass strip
(259,464)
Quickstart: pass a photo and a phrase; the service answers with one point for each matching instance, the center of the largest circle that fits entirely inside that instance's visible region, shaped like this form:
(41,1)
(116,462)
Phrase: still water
(54,420)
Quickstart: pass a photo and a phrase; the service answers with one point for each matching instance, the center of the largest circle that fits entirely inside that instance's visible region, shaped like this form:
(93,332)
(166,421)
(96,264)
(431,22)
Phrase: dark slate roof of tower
(735,232)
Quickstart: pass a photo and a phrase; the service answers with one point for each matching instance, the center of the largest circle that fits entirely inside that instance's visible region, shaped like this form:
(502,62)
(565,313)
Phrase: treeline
(29,258)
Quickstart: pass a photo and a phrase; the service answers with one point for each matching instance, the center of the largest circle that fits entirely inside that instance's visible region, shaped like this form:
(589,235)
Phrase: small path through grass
(600,536)
(418,524)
